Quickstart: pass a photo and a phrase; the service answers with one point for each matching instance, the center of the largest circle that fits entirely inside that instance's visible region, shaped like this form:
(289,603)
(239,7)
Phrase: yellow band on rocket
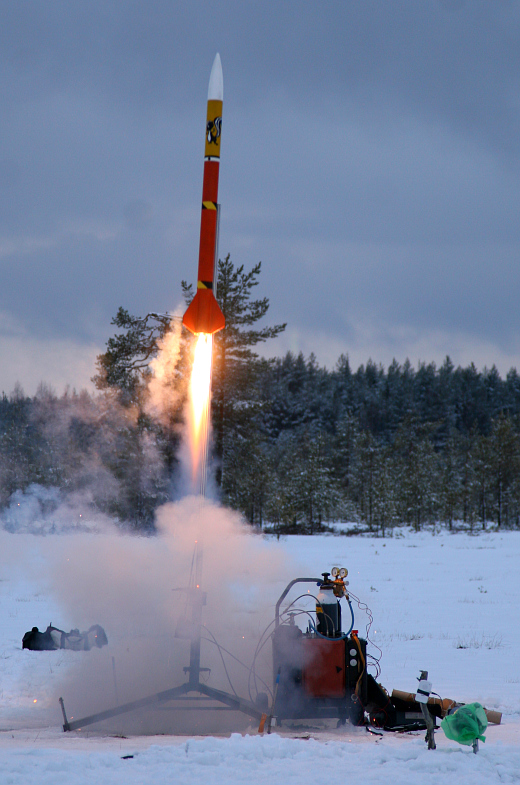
(213,129)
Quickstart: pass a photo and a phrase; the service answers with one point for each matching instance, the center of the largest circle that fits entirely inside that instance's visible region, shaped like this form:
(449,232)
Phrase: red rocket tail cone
(203,314)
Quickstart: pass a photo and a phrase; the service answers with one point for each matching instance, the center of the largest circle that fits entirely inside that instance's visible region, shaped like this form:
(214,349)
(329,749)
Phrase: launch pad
(317,674)
(206,695)
(320,673)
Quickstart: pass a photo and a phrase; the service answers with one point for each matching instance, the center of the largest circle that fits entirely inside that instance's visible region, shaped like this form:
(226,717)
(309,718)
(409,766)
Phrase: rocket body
(203,314)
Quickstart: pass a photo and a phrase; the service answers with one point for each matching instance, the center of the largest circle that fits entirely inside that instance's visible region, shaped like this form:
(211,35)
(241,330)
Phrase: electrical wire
(356,641)
(261,643)
(342,637)
(223,649)
(214,640)
(326,617)
(300,612)
(247,667)
(285,612)
(364,608)
(252,672)
(300,597)
(266,636)
(374,664)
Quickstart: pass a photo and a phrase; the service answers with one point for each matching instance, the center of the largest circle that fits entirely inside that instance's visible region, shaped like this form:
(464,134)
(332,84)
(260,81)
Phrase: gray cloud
(370,159)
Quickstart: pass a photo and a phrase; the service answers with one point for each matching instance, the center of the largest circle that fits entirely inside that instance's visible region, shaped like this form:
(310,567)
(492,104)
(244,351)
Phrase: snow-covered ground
(445,603)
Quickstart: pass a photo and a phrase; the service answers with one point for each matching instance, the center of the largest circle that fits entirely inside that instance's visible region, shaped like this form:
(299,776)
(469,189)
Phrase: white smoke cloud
(41,510)
(137,589)
(164,388)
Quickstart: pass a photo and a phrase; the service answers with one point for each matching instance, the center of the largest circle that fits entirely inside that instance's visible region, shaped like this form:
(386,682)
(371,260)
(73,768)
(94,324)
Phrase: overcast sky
(370,160)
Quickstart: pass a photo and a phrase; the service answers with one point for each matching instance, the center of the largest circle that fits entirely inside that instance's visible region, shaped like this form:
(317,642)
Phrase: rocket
(203,314)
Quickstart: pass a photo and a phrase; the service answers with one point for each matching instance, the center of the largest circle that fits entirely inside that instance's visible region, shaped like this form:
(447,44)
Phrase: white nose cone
(216,81)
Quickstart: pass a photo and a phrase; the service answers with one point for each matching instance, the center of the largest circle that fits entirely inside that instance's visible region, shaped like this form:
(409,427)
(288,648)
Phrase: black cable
(299,612)
(260,646)
(255,655)
(262,643)
(308,594)
(364,607)
(328,619)
(253,665)
(221,657)
(374,664)
(247,668)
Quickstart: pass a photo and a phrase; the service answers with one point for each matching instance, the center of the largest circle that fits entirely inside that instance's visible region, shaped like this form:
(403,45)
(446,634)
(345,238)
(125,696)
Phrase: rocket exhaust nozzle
(204,314)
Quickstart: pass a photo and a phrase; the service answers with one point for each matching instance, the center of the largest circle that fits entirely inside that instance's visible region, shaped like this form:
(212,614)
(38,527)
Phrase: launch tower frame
(182,692)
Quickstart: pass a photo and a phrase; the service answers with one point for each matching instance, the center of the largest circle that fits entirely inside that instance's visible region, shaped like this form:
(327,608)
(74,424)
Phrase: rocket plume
(199,409)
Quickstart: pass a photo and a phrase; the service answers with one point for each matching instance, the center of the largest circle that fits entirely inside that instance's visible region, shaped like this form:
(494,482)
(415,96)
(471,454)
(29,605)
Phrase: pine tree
(236,397)
(504,466)
(248,477)
(125,366)
(417,469)
(449,482)
(19,445)
(385,482)
(468,471)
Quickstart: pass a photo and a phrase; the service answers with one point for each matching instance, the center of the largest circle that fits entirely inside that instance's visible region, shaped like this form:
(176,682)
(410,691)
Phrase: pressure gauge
(343,572)
(335,572)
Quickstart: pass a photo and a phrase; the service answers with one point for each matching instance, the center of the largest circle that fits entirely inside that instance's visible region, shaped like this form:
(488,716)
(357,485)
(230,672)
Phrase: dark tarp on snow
(53,639)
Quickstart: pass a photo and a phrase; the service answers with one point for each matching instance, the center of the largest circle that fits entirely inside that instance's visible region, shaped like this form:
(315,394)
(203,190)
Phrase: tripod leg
(232,701)
(166,695)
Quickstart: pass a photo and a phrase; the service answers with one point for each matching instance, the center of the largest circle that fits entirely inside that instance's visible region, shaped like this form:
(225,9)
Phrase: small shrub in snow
(479,642)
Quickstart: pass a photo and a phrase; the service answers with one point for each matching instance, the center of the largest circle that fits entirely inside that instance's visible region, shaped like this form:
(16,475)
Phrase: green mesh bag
(466,724)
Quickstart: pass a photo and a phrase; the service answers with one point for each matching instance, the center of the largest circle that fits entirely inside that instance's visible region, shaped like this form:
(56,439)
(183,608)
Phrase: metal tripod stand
(197,598)
(193,685)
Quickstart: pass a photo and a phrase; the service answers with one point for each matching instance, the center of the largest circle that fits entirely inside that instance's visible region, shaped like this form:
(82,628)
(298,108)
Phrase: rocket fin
(204,314)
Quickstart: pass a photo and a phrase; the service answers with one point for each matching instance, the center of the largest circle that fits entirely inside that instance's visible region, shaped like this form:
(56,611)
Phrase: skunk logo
(213,130)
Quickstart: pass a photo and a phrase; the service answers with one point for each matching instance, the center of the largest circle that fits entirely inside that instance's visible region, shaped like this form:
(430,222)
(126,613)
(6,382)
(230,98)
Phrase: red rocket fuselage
(203,314)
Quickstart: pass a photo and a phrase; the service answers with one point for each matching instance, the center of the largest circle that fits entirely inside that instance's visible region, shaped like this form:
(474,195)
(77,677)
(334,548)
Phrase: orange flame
(200,388)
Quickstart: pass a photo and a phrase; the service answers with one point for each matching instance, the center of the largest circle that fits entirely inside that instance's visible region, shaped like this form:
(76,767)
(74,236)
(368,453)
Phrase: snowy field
(446,603)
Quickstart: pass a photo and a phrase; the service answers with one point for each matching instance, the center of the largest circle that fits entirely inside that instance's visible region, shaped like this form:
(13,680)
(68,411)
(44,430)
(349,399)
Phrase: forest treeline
(295,445)
(384,447)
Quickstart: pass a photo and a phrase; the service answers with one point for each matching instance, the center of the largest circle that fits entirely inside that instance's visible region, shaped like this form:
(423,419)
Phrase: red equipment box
(324,668)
